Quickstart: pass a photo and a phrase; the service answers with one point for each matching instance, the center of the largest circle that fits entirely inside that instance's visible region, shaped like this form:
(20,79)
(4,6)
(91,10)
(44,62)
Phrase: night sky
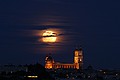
(93,25)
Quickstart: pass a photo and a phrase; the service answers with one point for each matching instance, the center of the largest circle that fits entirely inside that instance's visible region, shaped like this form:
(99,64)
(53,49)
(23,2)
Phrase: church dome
(49,58)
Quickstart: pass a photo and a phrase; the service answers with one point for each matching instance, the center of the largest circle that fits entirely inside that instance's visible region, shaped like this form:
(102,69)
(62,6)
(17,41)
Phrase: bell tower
(78,58)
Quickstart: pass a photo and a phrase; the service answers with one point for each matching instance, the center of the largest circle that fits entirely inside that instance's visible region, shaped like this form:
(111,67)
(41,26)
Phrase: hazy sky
(92,24)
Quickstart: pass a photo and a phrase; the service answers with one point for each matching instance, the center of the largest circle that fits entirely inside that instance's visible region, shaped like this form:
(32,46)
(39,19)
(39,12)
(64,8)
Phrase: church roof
(49,58)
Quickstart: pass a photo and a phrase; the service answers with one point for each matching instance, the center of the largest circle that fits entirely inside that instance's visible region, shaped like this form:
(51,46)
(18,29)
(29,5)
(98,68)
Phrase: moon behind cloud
(58,36)
(49,36)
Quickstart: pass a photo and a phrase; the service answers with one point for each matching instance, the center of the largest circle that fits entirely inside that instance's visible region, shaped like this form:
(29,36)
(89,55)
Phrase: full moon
(49,36)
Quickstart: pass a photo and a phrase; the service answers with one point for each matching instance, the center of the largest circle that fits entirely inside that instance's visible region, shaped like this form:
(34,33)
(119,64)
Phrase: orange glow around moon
(49,36)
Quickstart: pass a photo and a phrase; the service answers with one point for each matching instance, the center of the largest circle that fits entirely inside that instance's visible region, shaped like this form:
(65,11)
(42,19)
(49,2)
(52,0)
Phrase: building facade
(77,64)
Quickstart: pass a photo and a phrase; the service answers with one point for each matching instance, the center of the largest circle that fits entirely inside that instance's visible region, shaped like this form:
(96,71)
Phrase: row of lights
(31,76)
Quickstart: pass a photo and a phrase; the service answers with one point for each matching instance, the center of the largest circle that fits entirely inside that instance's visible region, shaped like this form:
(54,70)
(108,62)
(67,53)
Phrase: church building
(77,64)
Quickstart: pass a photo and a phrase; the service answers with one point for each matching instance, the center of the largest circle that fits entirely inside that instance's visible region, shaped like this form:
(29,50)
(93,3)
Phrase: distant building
(77,64)
(12,68)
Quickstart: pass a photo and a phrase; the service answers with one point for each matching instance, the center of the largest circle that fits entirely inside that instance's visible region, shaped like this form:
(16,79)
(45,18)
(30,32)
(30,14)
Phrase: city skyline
(92,25)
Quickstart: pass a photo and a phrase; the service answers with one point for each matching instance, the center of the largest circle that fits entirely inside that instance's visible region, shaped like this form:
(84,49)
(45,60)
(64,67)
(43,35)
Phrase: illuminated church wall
(77,64)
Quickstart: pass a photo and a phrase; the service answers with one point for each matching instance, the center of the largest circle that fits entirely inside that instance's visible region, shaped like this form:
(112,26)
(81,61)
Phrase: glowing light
(49,36)
(32,76)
